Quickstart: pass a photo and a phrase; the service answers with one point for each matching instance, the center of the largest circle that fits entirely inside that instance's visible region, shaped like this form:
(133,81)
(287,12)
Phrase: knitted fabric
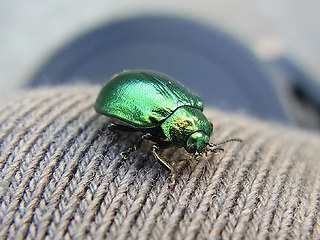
(62,176)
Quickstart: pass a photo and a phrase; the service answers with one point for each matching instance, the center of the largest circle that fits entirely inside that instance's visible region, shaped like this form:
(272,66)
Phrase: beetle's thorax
(183,122)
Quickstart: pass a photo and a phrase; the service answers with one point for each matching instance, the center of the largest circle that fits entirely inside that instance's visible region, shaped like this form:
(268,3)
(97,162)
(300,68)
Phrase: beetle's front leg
(155,148)
(205,152)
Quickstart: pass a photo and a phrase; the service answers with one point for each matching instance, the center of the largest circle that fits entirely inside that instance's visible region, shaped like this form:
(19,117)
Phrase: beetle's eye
(191,149)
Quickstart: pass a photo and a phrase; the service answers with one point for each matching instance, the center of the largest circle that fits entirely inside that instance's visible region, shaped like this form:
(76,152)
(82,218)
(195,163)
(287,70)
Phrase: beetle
(160,107)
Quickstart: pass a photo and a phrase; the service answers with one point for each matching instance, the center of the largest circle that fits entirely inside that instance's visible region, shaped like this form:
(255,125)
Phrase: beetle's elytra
(157,105)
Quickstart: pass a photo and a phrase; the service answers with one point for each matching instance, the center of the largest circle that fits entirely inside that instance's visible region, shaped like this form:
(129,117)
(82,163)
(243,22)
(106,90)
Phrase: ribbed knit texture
(62,176)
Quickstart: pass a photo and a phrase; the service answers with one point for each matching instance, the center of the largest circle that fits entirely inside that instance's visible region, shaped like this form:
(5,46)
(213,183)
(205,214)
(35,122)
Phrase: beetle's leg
(155,148)
(213,150)
(126,153)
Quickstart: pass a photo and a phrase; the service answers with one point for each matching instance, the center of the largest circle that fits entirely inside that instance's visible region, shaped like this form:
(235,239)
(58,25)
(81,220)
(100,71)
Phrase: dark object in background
(299,92)
(209,62)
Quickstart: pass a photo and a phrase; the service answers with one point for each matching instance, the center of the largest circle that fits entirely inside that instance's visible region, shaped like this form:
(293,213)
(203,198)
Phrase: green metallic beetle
(157,105)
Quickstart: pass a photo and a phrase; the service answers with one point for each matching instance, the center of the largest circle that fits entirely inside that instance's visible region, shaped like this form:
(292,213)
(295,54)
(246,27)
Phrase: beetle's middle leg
(155,148)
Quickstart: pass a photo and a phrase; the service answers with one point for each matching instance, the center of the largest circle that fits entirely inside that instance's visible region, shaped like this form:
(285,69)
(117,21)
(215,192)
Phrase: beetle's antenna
(226,141)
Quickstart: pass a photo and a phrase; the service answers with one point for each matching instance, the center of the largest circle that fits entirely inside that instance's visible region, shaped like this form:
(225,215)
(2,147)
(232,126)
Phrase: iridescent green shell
(143,99)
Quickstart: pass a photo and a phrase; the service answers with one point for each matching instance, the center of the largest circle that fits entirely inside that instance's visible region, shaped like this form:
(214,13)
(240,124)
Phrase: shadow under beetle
(161,108)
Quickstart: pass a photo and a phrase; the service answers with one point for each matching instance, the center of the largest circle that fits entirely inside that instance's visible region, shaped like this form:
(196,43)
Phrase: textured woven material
(62,176)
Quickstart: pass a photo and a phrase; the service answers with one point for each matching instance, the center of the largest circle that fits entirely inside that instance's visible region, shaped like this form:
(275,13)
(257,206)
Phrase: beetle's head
(196,142)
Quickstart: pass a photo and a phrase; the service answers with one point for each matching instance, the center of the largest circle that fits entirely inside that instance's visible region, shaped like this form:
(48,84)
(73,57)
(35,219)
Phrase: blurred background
(260,58)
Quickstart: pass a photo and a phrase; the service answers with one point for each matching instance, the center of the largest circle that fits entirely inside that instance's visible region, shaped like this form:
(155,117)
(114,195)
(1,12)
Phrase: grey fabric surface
(62,176)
